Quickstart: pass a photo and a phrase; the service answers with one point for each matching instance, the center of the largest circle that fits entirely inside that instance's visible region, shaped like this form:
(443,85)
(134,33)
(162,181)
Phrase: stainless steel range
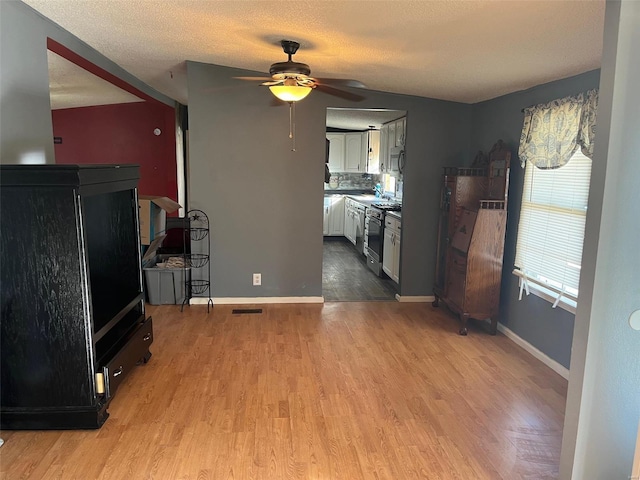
(374,234)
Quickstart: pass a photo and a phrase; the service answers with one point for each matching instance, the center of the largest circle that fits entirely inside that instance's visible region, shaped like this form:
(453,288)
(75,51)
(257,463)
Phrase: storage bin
(165,286)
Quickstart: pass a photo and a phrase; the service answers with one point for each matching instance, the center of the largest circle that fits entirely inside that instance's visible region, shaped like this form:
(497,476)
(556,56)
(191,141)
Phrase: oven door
(374,238)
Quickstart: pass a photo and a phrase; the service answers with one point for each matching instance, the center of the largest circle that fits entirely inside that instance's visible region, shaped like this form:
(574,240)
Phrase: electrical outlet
(257,279)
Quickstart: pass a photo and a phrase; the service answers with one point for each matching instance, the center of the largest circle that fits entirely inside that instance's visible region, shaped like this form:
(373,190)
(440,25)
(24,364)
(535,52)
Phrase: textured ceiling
(466,51)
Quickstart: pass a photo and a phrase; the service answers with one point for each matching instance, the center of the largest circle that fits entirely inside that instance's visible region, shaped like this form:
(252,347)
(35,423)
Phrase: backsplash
(352,181)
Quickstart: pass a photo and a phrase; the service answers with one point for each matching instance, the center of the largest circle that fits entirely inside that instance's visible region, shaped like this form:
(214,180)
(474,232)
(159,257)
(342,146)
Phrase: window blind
(552,220)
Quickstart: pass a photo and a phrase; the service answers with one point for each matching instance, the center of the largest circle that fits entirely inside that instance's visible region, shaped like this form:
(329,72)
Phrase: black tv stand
(72,316)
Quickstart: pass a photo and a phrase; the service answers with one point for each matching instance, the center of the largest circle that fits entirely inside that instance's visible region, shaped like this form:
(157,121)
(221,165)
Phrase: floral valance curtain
(552,131)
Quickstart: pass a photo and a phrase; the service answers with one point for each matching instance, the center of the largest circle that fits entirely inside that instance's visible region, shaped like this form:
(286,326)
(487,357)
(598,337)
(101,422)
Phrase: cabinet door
(373,160)
(396,258)
(353,225)
(336,216)
(456,278)
(400,132)
(387,252)
(353,152)
(384,148)
(348,221)
(325,215)
(394,162)
(392,134)
(336,152)
(364,152)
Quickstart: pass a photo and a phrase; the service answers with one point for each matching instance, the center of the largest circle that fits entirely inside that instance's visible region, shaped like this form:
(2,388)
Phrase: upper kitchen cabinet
(355,152)
(392,135)
(400,132)
(336,152)
(384,148)
(373,151)
(392,140)
(347,152)
(361,138)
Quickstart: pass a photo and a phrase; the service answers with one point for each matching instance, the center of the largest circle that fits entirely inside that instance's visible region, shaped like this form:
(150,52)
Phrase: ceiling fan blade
(254,79)
(341,82)
(275,82)
(339,93)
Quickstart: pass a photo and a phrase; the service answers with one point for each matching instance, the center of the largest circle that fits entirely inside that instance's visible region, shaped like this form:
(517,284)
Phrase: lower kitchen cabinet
(72,322)
(333,220)
(391,248)
(349,221)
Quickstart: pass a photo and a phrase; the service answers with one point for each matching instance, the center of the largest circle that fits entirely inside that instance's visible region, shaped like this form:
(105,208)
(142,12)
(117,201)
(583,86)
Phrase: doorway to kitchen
(359,154)
(346,278)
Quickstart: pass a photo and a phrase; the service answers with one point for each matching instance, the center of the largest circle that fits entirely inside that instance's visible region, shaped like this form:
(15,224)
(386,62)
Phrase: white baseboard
(415,299)
(254,300)
(543,357)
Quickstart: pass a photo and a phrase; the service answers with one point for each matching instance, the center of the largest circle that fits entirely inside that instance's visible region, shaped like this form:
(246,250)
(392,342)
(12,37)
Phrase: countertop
(366,199)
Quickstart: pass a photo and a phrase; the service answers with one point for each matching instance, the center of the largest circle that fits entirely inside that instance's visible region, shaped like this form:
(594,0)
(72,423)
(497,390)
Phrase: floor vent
(246,310)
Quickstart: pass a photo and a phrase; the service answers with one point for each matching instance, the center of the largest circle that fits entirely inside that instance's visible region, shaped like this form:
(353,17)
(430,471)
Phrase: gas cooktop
(388,207)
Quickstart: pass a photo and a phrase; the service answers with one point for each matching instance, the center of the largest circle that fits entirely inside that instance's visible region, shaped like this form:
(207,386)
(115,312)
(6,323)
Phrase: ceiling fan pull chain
(292,125)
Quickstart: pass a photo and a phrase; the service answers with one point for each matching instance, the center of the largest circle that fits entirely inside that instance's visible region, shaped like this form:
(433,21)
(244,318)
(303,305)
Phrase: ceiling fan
(290,81)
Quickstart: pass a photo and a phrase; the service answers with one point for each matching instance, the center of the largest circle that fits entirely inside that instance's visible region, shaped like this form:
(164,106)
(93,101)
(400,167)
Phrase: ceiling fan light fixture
(290,93)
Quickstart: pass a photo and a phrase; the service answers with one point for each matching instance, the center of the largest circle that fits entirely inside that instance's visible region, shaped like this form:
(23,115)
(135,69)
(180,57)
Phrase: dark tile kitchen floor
(346,277)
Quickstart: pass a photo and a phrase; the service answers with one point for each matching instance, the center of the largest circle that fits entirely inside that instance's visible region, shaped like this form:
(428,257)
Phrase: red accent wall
(122,133)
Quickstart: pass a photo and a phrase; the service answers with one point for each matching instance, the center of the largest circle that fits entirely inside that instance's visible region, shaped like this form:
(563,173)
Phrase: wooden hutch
(471,230)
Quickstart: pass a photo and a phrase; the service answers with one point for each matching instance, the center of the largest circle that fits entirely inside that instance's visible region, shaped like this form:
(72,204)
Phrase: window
(551,230)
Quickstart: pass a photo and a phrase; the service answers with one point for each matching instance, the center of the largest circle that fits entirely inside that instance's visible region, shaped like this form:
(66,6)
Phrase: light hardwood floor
(337,391)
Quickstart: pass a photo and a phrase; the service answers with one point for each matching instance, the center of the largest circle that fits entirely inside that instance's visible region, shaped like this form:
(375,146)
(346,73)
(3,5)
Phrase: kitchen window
(556,146)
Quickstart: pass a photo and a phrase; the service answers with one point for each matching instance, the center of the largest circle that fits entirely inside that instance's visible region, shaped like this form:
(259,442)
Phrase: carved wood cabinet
(72,321)
(471,230)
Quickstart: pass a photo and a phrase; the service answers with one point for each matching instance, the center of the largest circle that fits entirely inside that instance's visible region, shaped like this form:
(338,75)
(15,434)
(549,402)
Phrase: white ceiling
(460,50)
(360,119)
(71,86)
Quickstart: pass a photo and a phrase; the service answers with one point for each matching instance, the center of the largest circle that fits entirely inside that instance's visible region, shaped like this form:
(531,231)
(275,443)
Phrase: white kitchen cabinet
(392,140)
(384,148)
(354,156)
(391,248)
(396,258)
(350,221)
(392,134)
(400,132)
(336,152)
(333,215)
(373,151)
(347,152)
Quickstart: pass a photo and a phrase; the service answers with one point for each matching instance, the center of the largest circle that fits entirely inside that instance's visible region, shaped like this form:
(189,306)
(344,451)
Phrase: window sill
(555,297)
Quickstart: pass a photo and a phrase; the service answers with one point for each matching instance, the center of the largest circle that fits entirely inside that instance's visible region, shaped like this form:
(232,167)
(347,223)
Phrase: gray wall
(603,403)
(265,201)
(532,318)
(25,110)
